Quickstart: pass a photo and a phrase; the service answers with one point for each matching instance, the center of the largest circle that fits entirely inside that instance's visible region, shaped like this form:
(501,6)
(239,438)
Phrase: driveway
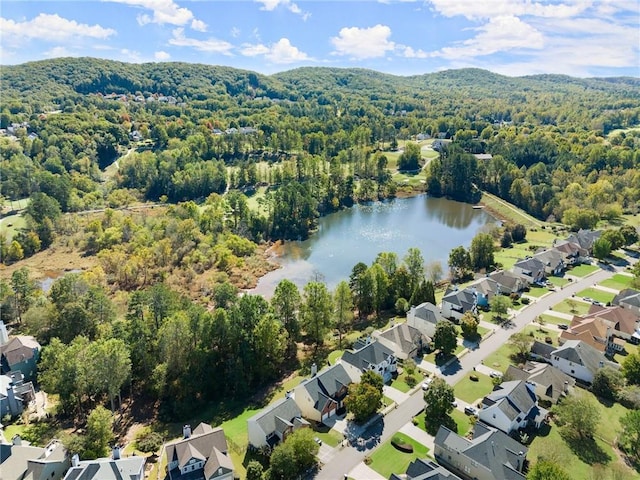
(394,394)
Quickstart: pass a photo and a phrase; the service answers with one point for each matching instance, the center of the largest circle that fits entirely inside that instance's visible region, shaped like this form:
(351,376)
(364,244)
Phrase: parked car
(426,383)
(470,410)
(454,404)
(563,326)
(588,299)
(596,302)
(317,440)
(494,374)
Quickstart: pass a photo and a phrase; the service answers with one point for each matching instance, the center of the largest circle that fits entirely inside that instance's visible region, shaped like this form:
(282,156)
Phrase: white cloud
(51,28)
(498,35)
(130,56)
(409,52)
(363,43)
(210,45)
(270,5)
(474,10)
(235,32)
(165,12)
(161,56)
(281,52)
(59,51)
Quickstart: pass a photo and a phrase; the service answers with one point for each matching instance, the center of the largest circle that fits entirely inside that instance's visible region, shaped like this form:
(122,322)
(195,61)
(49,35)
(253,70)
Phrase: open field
(10,225)
(387,459)
(508,212)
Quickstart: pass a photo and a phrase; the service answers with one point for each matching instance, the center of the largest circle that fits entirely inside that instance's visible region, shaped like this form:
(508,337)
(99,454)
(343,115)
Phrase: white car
(426,383)
(494,374)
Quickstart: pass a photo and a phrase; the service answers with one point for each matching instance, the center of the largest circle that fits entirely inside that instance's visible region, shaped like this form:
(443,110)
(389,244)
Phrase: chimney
(314,370)
(75,460)
(186,431)
(17,440)
(566,386)
(601,364)
(287,394)
(115,453)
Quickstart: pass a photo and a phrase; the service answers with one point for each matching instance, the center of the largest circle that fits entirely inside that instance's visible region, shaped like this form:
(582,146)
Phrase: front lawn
(578,307)
(331,437)
(537,292)
(541,333)
(387,459)
(596,294)
(462,422)
(582,270)
(550,318)
(558,281)
(470,391)
(618,282)
(399,383)
(431,357)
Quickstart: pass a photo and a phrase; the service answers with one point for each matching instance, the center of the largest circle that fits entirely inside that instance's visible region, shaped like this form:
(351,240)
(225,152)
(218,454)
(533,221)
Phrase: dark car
(563,326)
(470,411)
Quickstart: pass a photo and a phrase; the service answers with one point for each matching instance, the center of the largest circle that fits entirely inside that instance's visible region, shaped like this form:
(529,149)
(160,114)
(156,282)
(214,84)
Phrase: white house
(579,360)
(511,406)
(374,356)
(271,425)
(114,468)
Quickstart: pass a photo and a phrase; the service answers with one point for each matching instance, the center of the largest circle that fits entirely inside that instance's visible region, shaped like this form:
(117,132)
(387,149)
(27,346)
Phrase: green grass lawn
(335,355)
(537,292)
(507,257)
(629,348)
(254,202)
(462,422)
(10,225)
(288,385)
(580,308)
(470,391)
(554,320)
(508,211)
(540,333)
(387,459)
(618,282)
(399,382)
(582,270)
(431,357)
(330,437)
(500,359)
(558,281)
(596,294)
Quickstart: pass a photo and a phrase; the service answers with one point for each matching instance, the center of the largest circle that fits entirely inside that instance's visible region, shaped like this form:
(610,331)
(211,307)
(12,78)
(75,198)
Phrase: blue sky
(582,38)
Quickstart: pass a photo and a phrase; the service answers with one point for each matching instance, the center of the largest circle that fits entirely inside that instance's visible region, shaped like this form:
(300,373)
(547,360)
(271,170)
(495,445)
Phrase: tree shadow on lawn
(585,448)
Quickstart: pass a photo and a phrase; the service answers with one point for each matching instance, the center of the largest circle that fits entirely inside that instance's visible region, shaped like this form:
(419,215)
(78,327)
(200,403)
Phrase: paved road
(343,460)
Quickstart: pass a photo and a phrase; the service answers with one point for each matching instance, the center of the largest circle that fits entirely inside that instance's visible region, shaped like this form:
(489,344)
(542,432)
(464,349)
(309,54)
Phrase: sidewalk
(394,394)
(363,472)
(419,436)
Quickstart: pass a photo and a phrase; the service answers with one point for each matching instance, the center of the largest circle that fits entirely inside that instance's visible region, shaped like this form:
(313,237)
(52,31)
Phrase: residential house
(550,383)
(456,302)
(579,360)
(15,393)
(488,455)
(113,468)
(424,317)
(532,269)
(542,351)
(571,252)
(629,299)
(320,397)
(584,239)
(553,261)
(21,461)
(485,289)
(372,355)
(272,424)
(509,282)
(511,406)
(425,469)
(594,331)
(21,353)
(202,452)
(403,340)
(624,322)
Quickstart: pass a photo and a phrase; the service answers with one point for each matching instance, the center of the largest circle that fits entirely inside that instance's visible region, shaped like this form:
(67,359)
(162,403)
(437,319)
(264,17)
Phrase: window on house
(573,371)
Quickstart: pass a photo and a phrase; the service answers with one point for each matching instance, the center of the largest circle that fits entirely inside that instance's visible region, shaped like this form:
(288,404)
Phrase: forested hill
(55,80)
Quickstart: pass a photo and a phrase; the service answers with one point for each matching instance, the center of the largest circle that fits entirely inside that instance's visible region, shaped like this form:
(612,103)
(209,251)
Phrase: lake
(358,234)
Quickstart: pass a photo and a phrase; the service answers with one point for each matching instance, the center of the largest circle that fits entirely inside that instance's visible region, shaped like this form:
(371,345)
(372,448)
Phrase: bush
(473,378)
(410,380)
(148,441)
(525,301)
(401,445)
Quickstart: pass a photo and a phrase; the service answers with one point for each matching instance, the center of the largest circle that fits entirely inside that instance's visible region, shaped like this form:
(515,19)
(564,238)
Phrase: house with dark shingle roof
(21,461)
(320,397)
(511,406)
(403,340)
(113,468)
(21,353)
(532,269)
(425,469)
(509,282)
(488,455)
(274,423)
(200,454)
(580,360)
(550,383)
(553,261)
(629,299)
(584,239)
(485,289)
(374,356)
(571,252)
(424,317)
(456,302)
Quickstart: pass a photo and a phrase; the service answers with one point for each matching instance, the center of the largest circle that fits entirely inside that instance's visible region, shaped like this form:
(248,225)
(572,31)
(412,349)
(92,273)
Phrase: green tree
(579,415)
(424,292)
(439,400)
(270,340)
(500,305)
(294,456)
(481,251)
(15,252)
(23,291)
(507,240)
(630,234)
(607,382)
(445,339)
(521,343)
(630,435)
(615,238)
(601,248)
(518,233)
(315,312)
(547,470)
(631,368)
(459,263)
(469,324)
(414,262)
(99,434)
(364,398)
(342,309)
(381,288)
(286,305)
(111,363)
(255,470)
(409,159)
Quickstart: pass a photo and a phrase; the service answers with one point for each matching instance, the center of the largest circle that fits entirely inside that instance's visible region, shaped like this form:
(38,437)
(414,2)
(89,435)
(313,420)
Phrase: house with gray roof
(21,461)
(484,289)
(201,453)
(629,299)
(374,356)
(579,360)
(584,239)
(571,253)
(456,302)
(511,406)
(509,282)
(424,317)
(15,393)
(488,455)
(403,340)
(320,397)
(113,468)
(425,469)
(553,261)
(274,423)
(20,353)
(549,382)
(532,269)
(541,351)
